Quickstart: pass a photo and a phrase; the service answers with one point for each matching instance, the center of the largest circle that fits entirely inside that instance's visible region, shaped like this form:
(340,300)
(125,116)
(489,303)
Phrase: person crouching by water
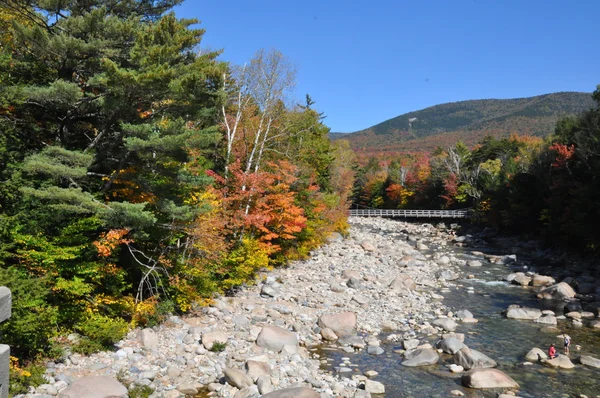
(552,351)
(567,343)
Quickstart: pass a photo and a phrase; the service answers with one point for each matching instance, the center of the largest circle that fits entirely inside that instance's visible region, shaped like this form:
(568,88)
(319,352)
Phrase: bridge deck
(410,213)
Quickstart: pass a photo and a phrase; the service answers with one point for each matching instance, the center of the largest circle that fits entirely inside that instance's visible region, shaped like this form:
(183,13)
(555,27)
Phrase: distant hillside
(469,121)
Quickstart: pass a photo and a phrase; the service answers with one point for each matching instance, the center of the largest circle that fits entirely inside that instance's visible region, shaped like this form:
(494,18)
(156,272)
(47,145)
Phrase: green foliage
(21,379)
(469,121)
(243,262)
(140,391)
(218,346)
(103,330)
(32,325)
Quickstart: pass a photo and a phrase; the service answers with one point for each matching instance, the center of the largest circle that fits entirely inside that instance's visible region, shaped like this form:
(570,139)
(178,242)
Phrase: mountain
(469,121)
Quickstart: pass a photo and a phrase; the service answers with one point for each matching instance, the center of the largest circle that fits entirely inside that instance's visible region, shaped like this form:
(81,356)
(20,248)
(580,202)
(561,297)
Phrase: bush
(101,331)
(32,325)
(218,346)
(22,378)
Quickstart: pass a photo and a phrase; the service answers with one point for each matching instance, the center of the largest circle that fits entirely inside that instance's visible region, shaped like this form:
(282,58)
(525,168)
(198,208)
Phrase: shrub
(22,378)
(33,322)
(102,331)
(218,346)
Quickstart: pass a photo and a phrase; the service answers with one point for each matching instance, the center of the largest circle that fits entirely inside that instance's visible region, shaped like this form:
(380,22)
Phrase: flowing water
(504,340)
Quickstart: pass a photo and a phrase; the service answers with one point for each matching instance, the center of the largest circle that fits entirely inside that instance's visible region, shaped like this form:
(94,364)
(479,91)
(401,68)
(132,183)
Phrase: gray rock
(450,345)
(421,357)
(337,287)
(147,337)
(410,344)
(328,334)
(515,312)
(561,362)
(535,355)
(375,350)
(374,387)
(95,387)
(542,280)
(447,275)
(589,361)
(241,321)
(521,279)
(470,359)
(487,378)
(342,324)
(237,379)
(546,320)
(560,291)
(462,314)
(264,384)
(268,290)
(255,369)
(402,283)
(474,263)
(445,323)
(274,338)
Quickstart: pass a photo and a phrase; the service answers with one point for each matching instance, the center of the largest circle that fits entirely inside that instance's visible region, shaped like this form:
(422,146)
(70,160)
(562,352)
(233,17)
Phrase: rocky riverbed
(381,285)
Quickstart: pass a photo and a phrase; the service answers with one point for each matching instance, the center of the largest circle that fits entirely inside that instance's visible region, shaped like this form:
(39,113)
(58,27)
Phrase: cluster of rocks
(268,335)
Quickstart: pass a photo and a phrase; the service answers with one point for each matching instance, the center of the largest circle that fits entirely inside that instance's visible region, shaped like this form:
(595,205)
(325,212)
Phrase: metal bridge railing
(463,213)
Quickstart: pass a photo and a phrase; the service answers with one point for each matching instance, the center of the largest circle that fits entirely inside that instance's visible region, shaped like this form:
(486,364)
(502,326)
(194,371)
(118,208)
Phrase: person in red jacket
(552,351)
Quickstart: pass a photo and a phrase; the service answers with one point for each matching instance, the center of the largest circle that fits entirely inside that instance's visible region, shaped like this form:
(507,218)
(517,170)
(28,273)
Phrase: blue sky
(364,62)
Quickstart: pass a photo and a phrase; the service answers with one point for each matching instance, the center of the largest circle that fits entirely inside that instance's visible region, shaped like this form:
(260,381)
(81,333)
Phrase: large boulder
(451,345)
(535,354)
(561,362)
(255,369)
(547,319)
(542,280)
(374,387)
(95,387)
(589,361)
(148,338)
(445,323)
(421,357)
(447,275)
(487,378)
(237,378)
(274,338)
(470,359)
(210,338)
(402,283)
(560,291)
(516,312)
(297,392)
(521,279)
(342,324)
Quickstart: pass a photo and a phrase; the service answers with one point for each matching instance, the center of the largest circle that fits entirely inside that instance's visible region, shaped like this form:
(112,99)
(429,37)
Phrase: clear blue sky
(364,62)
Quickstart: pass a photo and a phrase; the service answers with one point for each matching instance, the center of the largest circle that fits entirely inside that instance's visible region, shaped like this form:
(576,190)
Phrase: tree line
(545,187)
(141,174)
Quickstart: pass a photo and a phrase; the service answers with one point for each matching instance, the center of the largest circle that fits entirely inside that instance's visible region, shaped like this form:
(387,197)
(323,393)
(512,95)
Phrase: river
(504,340)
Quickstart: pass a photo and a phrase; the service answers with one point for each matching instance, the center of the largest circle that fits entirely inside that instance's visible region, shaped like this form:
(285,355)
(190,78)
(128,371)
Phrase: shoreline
(356,274)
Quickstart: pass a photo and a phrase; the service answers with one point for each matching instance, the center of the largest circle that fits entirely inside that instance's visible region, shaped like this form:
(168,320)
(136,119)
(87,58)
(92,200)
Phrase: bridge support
(5,312)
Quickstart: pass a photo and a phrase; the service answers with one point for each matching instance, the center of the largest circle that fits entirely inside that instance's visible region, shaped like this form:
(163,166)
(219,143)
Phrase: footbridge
(404,213)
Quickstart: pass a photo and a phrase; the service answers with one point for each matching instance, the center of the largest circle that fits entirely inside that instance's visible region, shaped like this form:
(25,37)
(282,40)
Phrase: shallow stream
(504,340)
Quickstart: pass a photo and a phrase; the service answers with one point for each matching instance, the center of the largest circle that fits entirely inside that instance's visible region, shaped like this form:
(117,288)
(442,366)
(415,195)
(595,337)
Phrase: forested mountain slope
(468,121)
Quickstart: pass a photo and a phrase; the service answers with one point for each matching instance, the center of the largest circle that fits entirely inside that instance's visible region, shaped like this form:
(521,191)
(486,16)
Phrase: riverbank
(386,277)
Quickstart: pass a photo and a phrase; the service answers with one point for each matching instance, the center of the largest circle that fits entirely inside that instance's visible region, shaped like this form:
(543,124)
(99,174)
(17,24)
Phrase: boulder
(546,320)
(374,387)
(461,314)
(410,344)
(515,312)
(470,359)
(95,387)
(274,338)
(421,357)
(542,280)
(560,291)
(589,361)
(147,337)
(297,392)
(536,354)
(255,369)
(474,263)
(368,246)
(450,345)
(561,362)
(237,378)
(210,338)
(487,378)
(521,279)
(328,334)
(342,324)
(402,283)
(445,323)
(447,275)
